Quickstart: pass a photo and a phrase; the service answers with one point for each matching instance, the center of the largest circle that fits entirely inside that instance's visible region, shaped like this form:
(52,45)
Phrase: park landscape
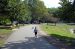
(18,17)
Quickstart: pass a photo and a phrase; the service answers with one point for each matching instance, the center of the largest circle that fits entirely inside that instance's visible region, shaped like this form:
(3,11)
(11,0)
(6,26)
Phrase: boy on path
(35,31)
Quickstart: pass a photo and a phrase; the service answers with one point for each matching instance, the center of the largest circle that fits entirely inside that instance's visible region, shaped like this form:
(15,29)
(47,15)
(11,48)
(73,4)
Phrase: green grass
(60,31)
(1,42)
(5,33)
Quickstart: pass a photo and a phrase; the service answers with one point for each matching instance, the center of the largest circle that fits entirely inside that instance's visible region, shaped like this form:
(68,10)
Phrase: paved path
(24,38)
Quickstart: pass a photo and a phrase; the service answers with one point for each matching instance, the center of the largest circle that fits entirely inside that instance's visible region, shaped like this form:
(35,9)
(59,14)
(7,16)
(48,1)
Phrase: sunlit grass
(4,31)
(3,34)
(59,29)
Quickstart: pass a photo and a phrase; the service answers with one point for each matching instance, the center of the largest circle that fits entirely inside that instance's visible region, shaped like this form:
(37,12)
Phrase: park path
(24,38)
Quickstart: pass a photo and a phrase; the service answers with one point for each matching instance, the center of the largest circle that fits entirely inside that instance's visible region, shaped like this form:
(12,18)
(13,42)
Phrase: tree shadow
(70,23)
(29,43)
(5,27)
(67,40)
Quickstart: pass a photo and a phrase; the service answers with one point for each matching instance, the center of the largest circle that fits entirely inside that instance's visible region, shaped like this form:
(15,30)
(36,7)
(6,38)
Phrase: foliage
(38,10)
(66,11)
(27,10)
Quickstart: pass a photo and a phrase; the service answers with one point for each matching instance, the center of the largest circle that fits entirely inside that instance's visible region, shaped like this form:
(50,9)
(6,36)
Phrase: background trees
(31,10)
(3,11)
(19,10)
(38,10)
(27,10)
(66,11)
(14,10)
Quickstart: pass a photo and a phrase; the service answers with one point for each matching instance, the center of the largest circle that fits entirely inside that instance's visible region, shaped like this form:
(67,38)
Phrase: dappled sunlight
(61,41)
(31,43)
(60,35)
(60,29)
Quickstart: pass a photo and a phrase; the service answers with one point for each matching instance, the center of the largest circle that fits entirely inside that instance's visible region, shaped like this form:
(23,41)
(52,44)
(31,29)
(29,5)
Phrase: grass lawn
(60,31)
(3,34)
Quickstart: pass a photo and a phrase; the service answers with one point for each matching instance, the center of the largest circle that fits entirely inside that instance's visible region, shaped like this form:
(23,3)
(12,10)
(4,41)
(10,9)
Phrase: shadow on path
(61,41)
(29,43)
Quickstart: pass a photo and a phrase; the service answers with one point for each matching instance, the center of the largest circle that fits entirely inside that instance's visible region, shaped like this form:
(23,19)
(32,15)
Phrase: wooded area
(35,10)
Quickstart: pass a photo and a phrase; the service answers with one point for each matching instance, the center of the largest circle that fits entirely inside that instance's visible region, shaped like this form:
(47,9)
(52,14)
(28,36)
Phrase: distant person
(35,31)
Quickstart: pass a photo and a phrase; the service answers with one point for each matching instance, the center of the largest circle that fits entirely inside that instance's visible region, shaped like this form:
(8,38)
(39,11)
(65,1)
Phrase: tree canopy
(31,10)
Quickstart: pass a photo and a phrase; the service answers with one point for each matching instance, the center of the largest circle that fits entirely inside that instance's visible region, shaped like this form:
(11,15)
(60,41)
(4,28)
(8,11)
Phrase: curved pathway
(24,38)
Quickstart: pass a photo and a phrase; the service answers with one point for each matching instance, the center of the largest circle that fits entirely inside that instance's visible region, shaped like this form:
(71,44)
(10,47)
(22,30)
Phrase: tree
(73,7)
(27,10)
(38,9)
(19,10)
(66,11)
(3,11)
(24,12)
